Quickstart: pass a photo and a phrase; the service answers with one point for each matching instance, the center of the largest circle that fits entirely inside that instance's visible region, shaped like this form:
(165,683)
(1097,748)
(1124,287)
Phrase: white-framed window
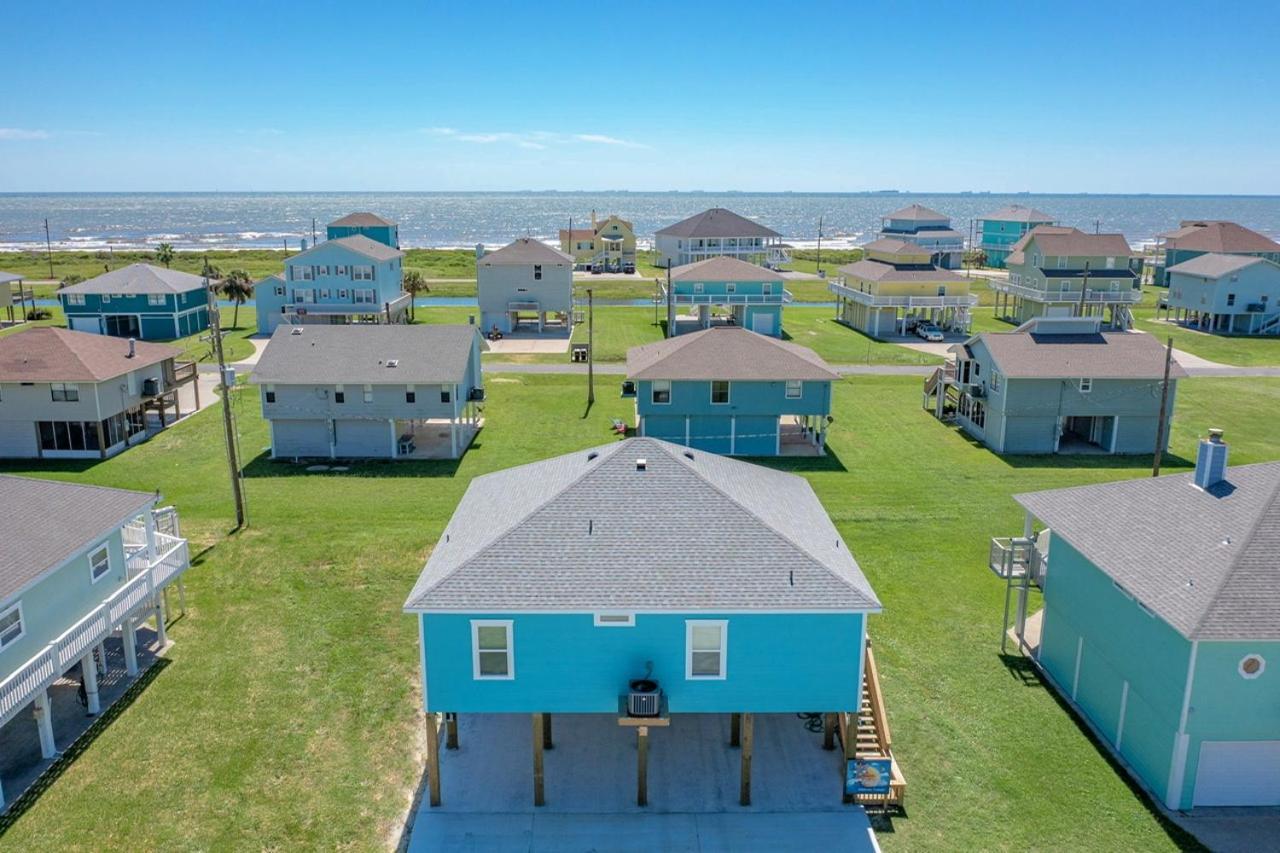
(697,287)
(795,389)
(64,392)
(279,290)
(720,392)
(155,298)
(1086,385)
(362,296)
(1111,263)
(269,393)
(767,288)
(362,272)
(996,380)
(492,649)
(660,391)
(730,287)
(615,620)
(1251,666)
(75,298)
(537,272)
(12,626)
(1062,262)
(99,562)
(106,297)
(368,393)
(705,645)
(303,273)
(304,296)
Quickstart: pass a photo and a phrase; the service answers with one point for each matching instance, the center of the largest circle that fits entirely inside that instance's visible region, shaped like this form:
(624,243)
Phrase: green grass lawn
(287,716)
(1244,351)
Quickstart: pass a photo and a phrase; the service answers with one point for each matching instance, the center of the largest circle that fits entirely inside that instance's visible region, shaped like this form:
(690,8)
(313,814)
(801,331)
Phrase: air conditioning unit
(476,395)
(644,698)
(977,391)
(151,386)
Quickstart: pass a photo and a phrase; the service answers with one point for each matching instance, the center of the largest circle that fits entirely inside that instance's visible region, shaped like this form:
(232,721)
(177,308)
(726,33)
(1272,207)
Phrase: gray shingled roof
(1018,213)
(359,244)
(717,222)
(727,353)
(139,278)
(1054,241)
(360,219)
(896,246)
(48,354)
(45,523)
(694,531)
(525,250)
(9,278)
(1027,354)
(1214,265)
(723,269)
(917,212)
(1206,562)
(869,269)
(358,355)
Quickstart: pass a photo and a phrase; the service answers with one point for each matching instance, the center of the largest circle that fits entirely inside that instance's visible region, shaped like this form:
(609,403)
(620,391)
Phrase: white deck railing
(875,300)
(782,298)
(1124,296)
(46,666)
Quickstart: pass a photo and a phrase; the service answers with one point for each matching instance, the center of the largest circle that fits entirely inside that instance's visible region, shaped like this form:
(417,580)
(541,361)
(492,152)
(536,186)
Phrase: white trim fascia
(1181,741)
(693,611)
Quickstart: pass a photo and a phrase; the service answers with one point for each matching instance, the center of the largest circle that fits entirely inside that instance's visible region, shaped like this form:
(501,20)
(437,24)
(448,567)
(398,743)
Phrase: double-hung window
(705,648)
(492,649)
(1086,385)
(660,391)
(269,393)
(795,389)
(362,272)
(75,298)
(719,391)
(730,287)
(11,627)
(155,298)
(368,393)
(537,272)
(99,562)
(767,288)
(410,395)
(64,392)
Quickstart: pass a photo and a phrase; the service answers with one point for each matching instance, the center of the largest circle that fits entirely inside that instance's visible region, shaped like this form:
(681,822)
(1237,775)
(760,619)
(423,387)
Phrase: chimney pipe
(1211,461)
(132,347)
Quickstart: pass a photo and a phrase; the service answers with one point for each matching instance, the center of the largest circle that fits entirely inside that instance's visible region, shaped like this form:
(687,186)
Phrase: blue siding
(181,314)
(786,662)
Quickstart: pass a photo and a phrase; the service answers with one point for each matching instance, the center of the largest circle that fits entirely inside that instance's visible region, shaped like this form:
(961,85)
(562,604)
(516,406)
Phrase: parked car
(930,332)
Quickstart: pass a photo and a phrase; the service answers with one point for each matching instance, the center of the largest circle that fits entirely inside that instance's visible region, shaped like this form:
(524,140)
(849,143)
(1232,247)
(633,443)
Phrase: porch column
(744,790)
(539,797)
(162,634)
(195,384)
(44,724)
(127,633)
(828,731)
(546,732)
(102,658)
(89,672)
(149,524)
(642,765)
(160,401)
(453,437)
(733,434)
(735,728)
(450,731)
(433,760)
(102,441)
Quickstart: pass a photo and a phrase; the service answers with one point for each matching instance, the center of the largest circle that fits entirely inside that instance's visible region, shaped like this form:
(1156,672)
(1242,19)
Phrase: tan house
(609,245)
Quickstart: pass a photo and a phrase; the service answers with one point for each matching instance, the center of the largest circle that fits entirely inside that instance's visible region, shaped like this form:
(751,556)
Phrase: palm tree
(164,254)
(413,285)
(237,287)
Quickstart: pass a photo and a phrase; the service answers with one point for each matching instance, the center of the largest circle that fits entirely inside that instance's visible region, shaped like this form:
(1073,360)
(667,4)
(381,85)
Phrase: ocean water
(193,221)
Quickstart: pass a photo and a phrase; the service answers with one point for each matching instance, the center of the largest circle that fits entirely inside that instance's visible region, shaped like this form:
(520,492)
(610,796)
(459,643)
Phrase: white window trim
(1262,666)
(689,625)
(101,547)
(1086,384)
(728,400)
(22,623)
(476,625)
(616,619)
(799,387)
(653,389)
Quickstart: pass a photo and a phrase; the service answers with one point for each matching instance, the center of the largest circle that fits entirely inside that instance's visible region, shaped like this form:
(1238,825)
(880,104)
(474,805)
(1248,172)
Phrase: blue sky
(1061,97)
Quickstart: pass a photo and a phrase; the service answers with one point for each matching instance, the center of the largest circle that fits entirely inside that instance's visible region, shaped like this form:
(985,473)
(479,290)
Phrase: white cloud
(536,140)
(17,133)
(601,139)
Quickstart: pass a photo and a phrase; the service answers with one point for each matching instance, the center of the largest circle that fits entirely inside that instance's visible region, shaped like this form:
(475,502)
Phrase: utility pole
(819,246)
(1084,287)
(591,350)
(1164,401)
(671,312)
(227,425)
(313,230)
(48,247)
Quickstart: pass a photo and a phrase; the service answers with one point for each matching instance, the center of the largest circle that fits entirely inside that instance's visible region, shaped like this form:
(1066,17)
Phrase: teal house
(725,291)
(81,569)
(138,301)
(638,582)
(997,232)
(730,391)
(353,279)
(1194,238)
(1161,623)
(1231,294)
(365,225)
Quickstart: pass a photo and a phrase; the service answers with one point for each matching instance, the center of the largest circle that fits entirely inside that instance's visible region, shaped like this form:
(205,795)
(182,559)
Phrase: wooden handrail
(877,702)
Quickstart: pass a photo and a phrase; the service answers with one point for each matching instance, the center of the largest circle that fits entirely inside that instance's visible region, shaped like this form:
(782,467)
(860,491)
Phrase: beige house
(609,245)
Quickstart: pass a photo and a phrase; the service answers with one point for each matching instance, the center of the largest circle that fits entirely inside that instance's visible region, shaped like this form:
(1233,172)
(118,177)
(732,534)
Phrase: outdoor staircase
(1270,326)
(940,386)
(866,735)
(1123,317)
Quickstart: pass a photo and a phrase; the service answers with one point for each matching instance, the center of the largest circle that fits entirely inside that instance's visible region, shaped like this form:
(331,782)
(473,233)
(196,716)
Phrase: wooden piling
(744,794)
(451,731)
(735,728)
(642,766)
(433,759)
(538,793)
(546,732)
(828,731)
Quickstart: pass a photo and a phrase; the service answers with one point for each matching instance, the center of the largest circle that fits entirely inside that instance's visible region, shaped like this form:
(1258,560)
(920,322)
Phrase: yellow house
(896,282)
(609,245)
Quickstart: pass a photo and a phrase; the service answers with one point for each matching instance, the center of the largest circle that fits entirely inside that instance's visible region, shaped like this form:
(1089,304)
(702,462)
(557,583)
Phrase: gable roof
(1018,213)
(717,222)
(274,278)
(357,243)
(1219,236)
(360,219)
(917,212)
(359,355)
(727,353)
(48,354)
(589,530)
(46,522)
(139,278)
(577,234)
(1205,561)
(1077,242)
(525,250)
(9,277)
(723,268)
(1028,354)
(1214,265)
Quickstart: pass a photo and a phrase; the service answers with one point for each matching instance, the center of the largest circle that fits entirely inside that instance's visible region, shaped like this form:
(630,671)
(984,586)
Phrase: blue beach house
(81,569)
(997,232)
(927,228)
(639,582)
(1232,294)
(1195,238)
(1161,622)
(730,391)
(352,279)
(365,225)
(748,296)
(138,301)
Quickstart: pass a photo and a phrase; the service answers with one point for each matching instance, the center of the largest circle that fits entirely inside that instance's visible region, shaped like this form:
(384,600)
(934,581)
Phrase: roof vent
(393,362)
(592,455)
(133,348)
(642,464)
(688,455)
(296,330)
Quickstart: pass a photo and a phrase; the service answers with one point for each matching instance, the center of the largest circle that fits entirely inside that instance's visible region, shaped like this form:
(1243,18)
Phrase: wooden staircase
(866,736)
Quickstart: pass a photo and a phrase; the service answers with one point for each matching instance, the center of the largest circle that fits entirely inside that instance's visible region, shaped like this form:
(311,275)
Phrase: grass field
(287,716)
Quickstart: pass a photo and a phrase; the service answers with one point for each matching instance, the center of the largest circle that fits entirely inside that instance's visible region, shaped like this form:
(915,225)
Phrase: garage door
(86,324)
(762,323)
(362,438)
(300,438)
(1238,773)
